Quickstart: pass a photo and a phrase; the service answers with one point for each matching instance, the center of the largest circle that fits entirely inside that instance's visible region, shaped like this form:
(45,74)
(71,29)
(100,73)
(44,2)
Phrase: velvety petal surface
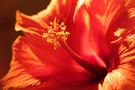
(101,18)
(35,59)
(79,39)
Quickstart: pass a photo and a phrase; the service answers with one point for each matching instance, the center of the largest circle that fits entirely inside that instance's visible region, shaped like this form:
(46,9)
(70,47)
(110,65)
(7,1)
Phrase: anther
(55,33)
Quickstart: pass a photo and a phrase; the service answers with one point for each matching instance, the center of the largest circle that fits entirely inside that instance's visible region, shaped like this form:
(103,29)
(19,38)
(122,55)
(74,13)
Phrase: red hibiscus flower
(75,45)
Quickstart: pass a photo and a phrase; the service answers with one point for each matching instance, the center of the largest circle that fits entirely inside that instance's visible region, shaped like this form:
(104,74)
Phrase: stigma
(56,33)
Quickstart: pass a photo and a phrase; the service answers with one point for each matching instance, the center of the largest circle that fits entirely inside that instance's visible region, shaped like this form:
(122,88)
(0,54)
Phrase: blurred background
(7,21)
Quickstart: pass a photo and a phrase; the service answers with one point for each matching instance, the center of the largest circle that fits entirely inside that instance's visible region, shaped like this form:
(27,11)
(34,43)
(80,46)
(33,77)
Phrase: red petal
(122,78)
(101,18)
(66,87)
(63,9)
(37,23)
(79,40)
(28,24)
(93,24)
(34,58)
(105,20)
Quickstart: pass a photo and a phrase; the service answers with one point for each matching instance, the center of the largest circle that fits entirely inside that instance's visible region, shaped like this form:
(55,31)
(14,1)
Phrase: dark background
(7,21)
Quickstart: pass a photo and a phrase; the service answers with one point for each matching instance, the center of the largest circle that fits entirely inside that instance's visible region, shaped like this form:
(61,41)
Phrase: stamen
(122,34)
(55,33)
(118,34)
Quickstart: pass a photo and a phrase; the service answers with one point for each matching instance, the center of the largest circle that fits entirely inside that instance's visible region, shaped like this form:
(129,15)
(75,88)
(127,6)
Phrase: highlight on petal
(17,77)
(62,9)
(80,41)
(101,18)
(28,24)
(79,4)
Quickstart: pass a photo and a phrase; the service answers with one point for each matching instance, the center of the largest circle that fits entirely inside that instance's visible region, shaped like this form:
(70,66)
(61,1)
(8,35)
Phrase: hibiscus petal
(79,38)
(122,78)
(62,9)
(27,24)
(122,58)
(94,27)
(17,77)
(67,87)
(34,60)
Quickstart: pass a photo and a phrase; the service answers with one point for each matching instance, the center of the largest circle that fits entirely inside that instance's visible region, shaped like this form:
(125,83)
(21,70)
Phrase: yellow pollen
(55,33)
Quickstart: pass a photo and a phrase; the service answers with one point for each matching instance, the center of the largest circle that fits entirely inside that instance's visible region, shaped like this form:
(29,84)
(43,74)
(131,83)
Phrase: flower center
(57,36)
(55,33)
